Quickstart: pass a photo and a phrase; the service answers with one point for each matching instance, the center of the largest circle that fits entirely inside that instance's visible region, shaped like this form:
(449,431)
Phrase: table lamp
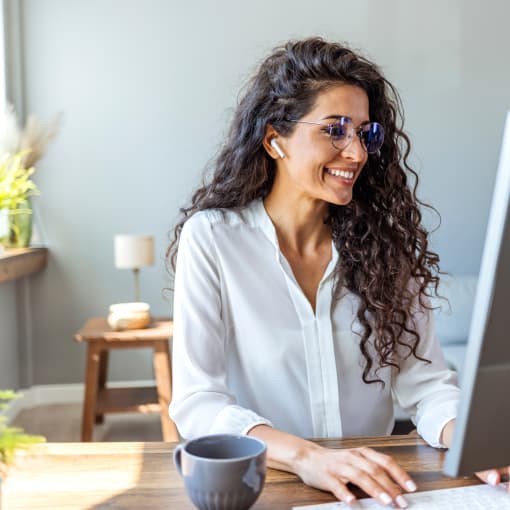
(134,252)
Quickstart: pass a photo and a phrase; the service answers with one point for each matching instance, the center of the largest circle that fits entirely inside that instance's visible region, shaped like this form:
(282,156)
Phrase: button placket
(311,349)
(325,341)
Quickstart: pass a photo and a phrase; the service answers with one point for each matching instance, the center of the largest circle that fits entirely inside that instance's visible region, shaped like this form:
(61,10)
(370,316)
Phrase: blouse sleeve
(202,403)
(428,392)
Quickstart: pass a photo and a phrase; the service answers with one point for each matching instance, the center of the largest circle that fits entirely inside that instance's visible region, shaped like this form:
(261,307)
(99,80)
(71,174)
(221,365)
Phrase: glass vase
(18,228)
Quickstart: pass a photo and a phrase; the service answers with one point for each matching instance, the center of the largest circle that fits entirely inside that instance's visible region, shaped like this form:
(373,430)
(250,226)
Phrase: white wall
(147,89)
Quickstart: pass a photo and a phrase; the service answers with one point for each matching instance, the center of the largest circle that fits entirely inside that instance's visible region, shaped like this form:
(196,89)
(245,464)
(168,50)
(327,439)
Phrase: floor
(62,423)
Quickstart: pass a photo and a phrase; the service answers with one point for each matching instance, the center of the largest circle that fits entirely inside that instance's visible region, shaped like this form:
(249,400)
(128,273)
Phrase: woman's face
(312,166)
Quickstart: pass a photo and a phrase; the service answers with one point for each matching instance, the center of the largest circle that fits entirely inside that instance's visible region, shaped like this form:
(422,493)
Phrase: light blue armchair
(454,319)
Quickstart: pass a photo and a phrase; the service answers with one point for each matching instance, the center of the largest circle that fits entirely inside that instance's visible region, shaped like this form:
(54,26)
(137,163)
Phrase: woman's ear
(273,148)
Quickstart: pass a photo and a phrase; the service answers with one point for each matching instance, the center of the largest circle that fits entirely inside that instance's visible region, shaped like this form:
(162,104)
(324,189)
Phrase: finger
(388,464)
(341,492)
(379,474)
(491,476)
(369,484)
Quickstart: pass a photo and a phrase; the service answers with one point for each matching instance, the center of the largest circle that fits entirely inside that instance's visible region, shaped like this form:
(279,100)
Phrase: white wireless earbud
(277,148)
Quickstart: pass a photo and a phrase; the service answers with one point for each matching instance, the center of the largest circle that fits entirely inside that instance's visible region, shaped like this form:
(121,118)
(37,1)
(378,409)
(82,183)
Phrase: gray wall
(8,337)
(147,89)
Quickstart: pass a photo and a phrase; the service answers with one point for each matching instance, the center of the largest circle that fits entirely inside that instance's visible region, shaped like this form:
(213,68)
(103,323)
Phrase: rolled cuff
(234,419)
(431,424)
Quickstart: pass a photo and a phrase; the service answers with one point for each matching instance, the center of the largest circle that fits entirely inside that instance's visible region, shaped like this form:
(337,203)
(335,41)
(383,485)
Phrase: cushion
(453,319)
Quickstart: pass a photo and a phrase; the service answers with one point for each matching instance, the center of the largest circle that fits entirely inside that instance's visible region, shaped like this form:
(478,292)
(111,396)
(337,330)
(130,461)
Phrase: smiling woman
(302,277)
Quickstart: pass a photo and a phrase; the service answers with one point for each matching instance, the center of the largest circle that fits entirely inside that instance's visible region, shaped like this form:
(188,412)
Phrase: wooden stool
(100,400)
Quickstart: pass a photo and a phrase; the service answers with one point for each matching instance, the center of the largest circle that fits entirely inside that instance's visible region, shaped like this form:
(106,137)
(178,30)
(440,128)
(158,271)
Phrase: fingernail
(410,485)
(492,478)
(385,498)
(349,499)
(401,502)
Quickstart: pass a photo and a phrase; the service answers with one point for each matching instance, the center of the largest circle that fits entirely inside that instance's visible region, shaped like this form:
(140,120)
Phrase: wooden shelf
(18,262)
(125,400)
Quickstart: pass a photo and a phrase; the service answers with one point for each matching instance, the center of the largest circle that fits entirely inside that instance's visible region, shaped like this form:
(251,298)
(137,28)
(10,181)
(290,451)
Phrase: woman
(301,280)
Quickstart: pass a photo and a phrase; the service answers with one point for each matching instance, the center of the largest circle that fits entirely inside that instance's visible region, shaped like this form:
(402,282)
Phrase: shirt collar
(262,220)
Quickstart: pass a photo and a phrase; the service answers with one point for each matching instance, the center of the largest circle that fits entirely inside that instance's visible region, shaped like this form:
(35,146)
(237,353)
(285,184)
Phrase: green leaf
(9,395)
(12,438)
(16,184)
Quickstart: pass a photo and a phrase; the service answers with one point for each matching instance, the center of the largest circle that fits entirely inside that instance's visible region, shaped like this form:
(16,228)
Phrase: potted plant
(16,188)
(20,150)
(11,438)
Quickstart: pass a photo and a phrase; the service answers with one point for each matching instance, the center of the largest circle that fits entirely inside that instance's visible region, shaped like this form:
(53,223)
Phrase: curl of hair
(383,248)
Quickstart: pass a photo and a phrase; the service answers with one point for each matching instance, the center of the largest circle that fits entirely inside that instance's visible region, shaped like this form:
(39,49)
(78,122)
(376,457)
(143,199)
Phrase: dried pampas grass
(35,138)
(32,140)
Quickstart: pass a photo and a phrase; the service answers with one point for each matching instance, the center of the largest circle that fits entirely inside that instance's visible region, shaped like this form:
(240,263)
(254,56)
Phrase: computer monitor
(481,438)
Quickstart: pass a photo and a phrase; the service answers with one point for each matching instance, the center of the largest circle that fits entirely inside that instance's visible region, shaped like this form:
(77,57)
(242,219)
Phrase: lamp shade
(133,251)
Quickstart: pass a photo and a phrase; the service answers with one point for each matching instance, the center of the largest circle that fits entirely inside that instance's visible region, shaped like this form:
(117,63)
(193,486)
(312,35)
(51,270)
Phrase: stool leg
(103,374)
(162,371)
(89,402)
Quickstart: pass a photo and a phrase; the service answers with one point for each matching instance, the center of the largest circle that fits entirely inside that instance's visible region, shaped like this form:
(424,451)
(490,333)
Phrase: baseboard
(48,394)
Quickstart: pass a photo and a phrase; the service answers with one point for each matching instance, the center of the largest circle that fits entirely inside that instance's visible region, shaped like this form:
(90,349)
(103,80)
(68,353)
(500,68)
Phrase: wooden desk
(128,476)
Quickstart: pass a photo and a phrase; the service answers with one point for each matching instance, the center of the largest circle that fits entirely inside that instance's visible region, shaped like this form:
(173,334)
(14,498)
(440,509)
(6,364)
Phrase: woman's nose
(354,150)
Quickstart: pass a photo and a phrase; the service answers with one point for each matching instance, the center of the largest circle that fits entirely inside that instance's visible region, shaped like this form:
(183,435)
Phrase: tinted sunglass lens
(372,136)
(341,132)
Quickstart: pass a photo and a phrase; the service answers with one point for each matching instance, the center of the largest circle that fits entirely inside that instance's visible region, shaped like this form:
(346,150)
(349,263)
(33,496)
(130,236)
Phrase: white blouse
(248,348)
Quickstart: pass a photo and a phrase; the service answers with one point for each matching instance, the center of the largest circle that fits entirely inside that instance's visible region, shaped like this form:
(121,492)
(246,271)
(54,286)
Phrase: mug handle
(177,458)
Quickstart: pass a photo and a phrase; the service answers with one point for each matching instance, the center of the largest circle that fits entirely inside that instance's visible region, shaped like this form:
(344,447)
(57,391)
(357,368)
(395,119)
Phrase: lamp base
(125,316)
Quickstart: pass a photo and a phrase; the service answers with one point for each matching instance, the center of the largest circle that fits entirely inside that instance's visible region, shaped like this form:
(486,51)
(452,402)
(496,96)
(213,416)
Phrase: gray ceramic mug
(222,472)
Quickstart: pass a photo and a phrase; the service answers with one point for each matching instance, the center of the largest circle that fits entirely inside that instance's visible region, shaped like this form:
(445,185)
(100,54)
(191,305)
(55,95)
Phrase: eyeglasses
(342,131)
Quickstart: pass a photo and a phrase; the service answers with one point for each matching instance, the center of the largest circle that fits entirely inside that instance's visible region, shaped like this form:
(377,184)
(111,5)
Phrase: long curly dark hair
(383,247)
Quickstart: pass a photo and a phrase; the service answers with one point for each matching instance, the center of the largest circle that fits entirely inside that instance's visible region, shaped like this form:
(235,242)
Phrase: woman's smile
(342,174)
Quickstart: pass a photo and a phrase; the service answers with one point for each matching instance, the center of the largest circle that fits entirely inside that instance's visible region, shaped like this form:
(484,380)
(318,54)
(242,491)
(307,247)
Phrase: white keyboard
(475,497)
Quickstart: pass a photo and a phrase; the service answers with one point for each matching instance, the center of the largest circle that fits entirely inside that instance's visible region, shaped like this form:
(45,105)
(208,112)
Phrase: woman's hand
(495,476)
(377,474)
(331,470)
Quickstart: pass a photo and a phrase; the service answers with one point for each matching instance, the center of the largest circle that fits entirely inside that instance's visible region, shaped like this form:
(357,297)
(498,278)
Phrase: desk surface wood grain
(60,476)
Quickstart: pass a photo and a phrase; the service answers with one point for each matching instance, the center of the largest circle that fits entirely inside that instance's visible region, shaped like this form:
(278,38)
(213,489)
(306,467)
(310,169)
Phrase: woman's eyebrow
(337,116)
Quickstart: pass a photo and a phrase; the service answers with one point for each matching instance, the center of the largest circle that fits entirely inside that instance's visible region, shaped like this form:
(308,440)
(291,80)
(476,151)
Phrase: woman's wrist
(303,453)
(447,434)
(285,451)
